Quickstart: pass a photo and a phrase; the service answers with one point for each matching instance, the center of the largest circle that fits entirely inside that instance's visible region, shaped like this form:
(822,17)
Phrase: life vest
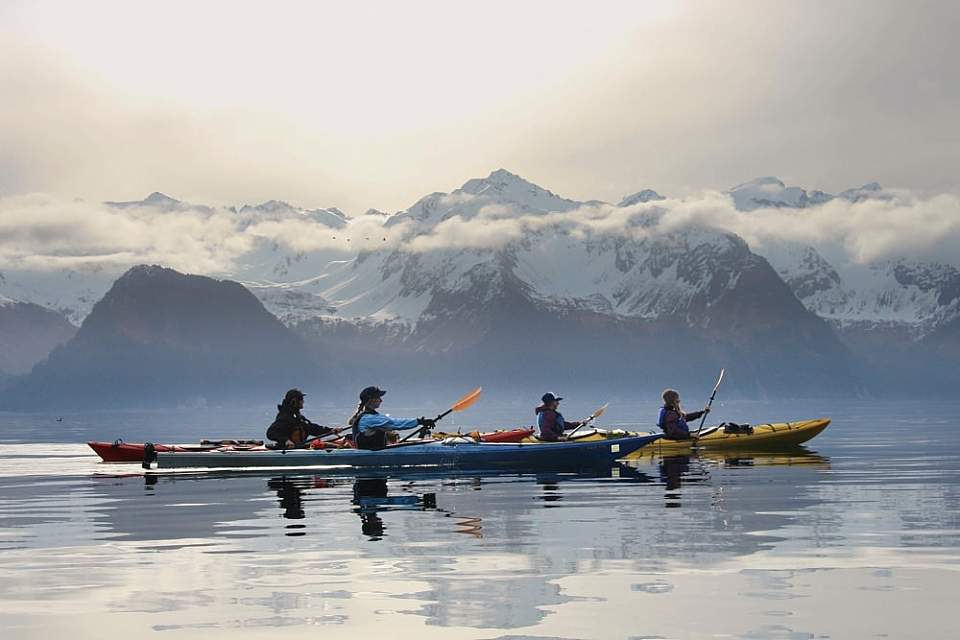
(372,441)
(677,430)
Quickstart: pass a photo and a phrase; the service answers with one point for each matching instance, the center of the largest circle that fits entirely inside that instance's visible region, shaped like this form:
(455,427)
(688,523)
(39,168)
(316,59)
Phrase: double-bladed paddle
(596,414)
(710,403)
(465,402)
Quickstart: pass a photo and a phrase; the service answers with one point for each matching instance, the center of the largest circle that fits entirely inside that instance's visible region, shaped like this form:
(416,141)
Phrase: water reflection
(371,497)
(532,554)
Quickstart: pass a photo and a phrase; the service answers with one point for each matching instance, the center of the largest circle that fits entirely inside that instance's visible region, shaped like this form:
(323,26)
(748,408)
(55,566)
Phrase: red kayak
(120,451)
(512,435)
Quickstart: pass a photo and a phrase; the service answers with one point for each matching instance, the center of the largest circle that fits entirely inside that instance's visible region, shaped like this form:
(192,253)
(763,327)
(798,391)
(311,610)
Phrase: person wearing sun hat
(371,430)
(550,422)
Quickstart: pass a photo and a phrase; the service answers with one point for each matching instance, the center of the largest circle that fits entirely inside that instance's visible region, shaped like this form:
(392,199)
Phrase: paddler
(550,422)
(291,428)
(673,420)
(371,430)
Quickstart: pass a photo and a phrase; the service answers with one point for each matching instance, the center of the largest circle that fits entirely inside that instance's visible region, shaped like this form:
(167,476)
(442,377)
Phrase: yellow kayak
(763,436)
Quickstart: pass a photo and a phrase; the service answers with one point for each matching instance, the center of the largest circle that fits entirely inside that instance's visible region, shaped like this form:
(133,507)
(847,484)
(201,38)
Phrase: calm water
(857,536)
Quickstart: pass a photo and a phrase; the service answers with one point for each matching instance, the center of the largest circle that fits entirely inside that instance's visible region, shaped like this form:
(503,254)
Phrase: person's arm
(317,430)
(369,422)
(571,425)
(694,415)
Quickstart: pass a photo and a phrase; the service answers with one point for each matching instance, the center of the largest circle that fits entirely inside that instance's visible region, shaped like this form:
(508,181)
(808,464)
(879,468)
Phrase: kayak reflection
(371,497)
(550,483)
(694,468)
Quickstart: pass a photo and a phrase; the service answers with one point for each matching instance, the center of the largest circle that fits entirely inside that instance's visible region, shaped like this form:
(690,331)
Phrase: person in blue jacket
(371,429)
(550,422)
(673,420)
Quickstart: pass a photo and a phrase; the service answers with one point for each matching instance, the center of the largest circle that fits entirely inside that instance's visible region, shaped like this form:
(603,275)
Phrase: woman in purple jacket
(673,420)
(550,422)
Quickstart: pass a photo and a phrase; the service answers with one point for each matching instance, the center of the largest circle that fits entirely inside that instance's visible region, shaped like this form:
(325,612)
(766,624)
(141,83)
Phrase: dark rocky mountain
(159,337)
(28,333)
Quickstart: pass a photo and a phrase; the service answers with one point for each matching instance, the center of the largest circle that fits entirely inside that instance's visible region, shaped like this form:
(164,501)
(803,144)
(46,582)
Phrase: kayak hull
(769,436)
(133,451)
(454,453)
(119,451)
(764,436)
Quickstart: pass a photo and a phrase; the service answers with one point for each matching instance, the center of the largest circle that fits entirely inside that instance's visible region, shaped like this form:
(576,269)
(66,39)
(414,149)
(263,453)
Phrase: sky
(360,105)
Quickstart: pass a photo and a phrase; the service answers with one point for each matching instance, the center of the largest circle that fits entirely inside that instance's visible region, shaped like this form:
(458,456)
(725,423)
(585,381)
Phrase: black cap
(549,397)
(370,393)
(292,394)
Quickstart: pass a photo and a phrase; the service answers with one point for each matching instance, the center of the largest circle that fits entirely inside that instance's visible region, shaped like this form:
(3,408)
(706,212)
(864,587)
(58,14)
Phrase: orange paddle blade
(467,401)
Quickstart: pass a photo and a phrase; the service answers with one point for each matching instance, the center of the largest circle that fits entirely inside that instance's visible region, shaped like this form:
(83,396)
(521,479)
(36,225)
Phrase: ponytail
(355,418)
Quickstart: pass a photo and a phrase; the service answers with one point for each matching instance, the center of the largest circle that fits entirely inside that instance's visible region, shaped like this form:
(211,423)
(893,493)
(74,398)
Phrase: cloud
(603,98)
(43,232)
(905,225)
(364,233)
(40,232)
(865,232)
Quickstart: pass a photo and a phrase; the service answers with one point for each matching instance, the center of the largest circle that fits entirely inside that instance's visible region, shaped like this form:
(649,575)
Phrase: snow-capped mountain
(645,195)
(158,201)
(557,266)
(539,266)
(71,292)
(905,297)
(277,210)
(494,271)
(772,192)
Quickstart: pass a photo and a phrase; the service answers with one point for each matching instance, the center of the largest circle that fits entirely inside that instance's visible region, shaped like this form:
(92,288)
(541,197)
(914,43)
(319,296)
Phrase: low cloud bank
(42,232)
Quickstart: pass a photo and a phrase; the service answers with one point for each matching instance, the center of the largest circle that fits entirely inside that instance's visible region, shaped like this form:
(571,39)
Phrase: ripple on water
(810,543)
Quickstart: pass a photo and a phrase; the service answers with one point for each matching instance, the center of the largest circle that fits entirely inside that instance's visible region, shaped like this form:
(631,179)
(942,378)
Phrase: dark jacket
(291,425)
(674,423)
(551,424)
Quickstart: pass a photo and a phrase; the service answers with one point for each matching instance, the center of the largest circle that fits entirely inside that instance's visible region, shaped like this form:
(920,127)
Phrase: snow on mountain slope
(276,210)
(558,263)
(915,296)
(73,283)
(483,195)
(560,253)
(772,192)
(71,292)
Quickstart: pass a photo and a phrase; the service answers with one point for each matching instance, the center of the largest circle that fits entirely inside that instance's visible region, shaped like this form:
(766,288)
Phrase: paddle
(325,437)
(710,403)
(463,403)
(591,418)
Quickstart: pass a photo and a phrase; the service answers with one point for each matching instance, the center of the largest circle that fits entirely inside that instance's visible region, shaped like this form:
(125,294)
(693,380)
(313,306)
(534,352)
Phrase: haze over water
(856,536)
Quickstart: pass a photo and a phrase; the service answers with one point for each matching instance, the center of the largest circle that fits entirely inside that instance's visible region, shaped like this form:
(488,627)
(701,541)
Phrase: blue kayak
(453,453)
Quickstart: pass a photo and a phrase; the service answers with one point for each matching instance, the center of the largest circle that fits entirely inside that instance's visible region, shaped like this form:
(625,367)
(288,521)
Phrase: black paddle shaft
(420,430)
(710,402)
